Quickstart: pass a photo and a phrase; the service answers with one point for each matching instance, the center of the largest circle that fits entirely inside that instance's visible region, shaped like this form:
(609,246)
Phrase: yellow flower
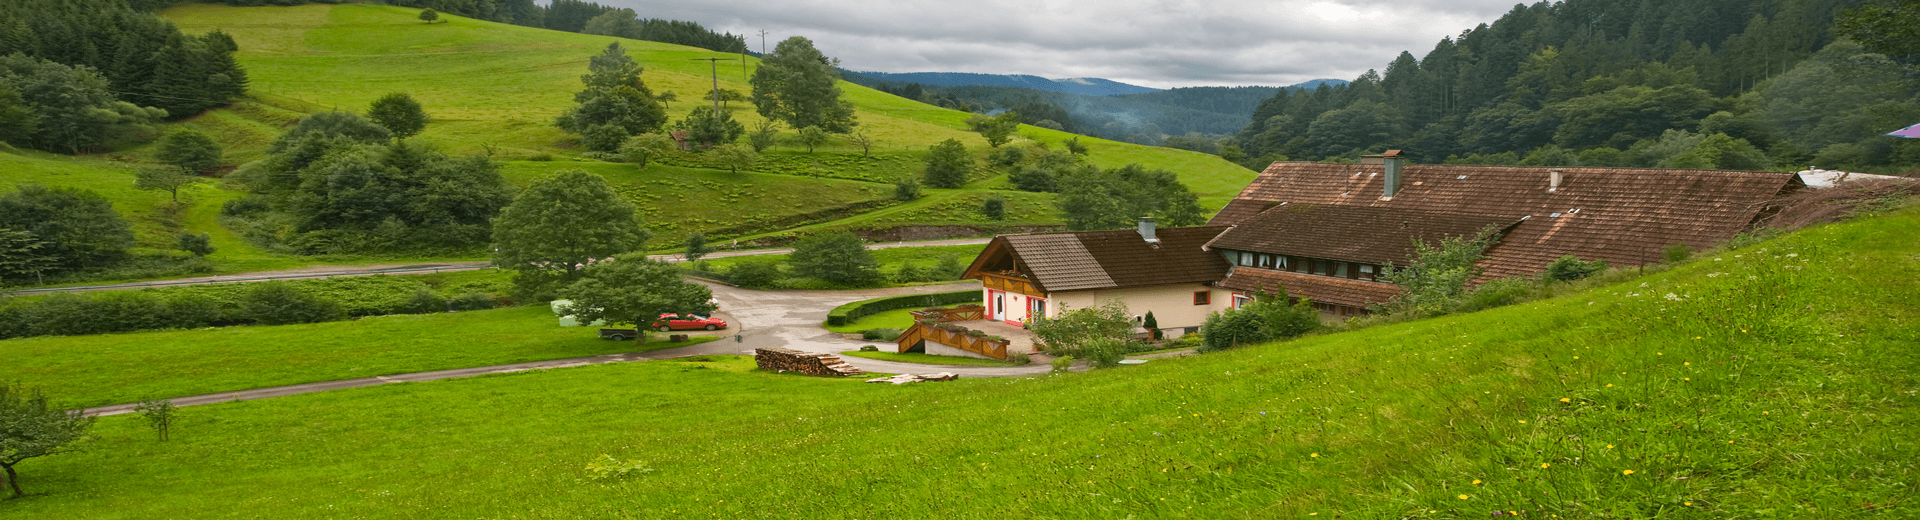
(1523,421)
(1313,455)
(1686,379)
(1544,465)
(1576,357)
(1609,446)
(1609,385)
(1476,482)
(1689,363)
(1463,497)
(1688,504)
(1626,472)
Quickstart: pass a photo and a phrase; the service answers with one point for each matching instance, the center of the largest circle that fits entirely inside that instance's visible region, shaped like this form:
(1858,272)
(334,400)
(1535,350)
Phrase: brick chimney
(1147,230)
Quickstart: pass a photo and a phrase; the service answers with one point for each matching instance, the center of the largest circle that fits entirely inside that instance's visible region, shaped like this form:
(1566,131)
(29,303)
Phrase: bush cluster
(265,303)
(1266,319)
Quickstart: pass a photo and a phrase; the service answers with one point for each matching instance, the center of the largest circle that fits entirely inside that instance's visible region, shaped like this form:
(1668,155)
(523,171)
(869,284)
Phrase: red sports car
(671,321)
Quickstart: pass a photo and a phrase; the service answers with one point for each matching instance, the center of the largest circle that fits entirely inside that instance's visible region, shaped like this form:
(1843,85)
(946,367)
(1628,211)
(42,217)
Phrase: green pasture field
(890,259)
(1769,381)
(676,202)
(929,359)
(122,368)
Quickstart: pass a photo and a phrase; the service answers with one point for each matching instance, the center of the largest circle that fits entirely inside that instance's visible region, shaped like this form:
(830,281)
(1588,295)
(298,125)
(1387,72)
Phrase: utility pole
(763,42)
(714,63)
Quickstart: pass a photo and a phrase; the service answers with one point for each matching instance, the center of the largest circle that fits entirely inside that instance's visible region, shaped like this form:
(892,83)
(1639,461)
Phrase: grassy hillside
(1774,381)
(499,86)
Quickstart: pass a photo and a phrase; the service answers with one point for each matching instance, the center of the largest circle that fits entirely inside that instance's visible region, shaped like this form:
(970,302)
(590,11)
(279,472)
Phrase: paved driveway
(791,319)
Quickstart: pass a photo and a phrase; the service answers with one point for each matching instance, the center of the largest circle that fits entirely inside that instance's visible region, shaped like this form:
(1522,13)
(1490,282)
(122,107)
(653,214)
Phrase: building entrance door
(999,304)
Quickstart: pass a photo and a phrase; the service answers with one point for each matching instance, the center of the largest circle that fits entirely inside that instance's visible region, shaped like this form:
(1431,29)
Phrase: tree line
(560,15)
(1694,83)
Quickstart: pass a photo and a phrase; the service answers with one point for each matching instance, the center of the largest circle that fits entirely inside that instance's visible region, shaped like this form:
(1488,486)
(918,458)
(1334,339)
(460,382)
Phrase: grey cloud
(1158,43)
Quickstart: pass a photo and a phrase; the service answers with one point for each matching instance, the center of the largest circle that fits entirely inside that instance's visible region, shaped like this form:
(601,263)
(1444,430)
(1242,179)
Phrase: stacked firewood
(783,360)
(911,378)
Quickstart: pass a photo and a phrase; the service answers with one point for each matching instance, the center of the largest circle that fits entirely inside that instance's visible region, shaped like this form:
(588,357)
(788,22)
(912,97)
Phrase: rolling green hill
(497,87)
(1771,381)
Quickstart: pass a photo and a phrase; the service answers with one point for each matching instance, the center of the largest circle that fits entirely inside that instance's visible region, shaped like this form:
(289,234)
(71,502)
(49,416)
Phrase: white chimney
(1553,180)
(1147,231)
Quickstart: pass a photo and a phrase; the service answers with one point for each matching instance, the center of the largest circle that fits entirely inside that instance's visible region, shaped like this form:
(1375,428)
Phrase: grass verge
(123,368)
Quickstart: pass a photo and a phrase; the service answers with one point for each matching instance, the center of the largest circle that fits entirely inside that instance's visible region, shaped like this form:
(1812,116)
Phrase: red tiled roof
(1324,289)
(1625,216)
(1374,235)
(1084,260)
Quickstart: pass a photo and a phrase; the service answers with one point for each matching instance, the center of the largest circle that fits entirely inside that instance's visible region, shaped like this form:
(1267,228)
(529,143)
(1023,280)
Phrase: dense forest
(77,74)
(1693,83)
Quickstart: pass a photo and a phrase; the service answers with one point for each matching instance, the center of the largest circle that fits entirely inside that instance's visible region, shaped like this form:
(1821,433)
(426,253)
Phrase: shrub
(754,275)
(907,190)
(198,244)
(245,206)
(838,257)
(1078,332)
(1569,268)
(869,348)
(1499,293)
(1106,352)
(1062,363)
(1676,253)
(880,334)
(424,301)
(1007,157)
(282,303)
(1267,318)
(853,312)
(995,207)
(1021,359)
(472,302)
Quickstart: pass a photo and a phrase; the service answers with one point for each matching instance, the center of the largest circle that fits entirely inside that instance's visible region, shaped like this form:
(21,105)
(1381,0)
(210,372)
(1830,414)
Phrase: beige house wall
(1172,305)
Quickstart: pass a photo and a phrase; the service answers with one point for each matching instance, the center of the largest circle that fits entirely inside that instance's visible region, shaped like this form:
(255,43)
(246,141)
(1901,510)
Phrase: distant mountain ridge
(1084,86)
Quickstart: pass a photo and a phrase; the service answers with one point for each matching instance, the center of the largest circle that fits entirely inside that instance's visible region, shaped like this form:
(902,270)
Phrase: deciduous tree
(429,16)
(190,150)
(735,157)
(812,136)
(163,178)
(839,257)
(634,289)
(32,427)
(948,164)
(399,113)
(795,84)
(560,225)
(709,128)
(79,227)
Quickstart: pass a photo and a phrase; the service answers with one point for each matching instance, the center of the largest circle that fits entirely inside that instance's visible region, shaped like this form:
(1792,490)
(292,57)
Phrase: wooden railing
(958,313)
(1010,284)
(933,325)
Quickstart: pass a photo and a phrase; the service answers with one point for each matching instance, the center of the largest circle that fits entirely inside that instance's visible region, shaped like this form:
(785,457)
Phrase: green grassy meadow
(1770,381)
(123,368)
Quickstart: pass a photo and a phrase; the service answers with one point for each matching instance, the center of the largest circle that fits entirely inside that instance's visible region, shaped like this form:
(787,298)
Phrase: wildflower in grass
(1688,363)
(1609,446)
(1626,472)
(1544,465)
(1463,497)
(1609,385)
(1523,421)
(1316,455)
(1565,400)
(1688,504)
(1476,482)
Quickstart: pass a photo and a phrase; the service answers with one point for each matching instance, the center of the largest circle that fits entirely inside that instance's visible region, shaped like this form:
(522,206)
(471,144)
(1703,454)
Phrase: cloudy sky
(1155,43)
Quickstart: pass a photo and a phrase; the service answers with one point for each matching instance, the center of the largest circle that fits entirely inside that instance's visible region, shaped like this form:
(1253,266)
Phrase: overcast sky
(1162,44)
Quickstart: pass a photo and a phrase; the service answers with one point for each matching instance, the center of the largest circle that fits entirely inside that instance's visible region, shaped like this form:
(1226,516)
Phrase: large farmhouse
(1324,232)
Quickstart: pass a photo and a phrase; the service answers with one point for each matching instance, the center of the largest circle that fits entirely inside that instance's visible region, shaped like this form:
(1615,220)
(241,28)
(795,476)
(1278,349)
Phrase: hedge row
(264,303)
(852,312)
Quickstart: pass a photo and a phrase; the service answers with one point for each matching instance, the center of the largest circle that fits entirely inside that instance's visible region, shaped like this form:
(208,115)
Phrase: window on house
(1241,300)
(1202,297)
(1366,272)
(1246,259)
(1266,261)
(1280,262)
(1340,269)
(1319,267)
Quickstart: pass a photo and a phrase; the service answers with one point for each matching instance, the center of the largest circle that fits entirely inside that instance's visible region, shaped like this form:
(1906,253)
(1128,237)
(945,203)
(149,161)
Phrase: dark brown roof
(1374,235)
(1084,260)
(1324,289)
(1625,216)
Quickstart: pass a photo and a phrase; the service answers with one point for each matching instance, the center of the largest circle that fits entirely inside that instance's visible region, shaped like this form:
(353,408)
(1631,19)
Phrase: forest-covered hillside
(1748,84)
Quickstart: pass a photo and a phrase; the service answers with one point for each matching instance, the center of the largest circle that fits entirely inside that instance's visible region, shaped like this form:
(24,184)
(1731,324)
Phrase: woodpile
(910,378)
(783,360)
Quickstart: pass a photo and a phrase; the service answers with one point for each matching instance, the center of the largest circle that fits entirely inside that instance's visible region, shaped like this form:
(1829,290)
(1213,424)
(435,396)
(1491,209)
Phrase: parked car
(671,321)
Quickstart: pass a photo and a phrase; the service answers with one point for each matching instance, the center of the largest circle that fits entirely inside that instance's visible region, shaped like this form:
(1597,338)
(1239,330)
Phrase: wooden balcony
(938,326)
(1012,284)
